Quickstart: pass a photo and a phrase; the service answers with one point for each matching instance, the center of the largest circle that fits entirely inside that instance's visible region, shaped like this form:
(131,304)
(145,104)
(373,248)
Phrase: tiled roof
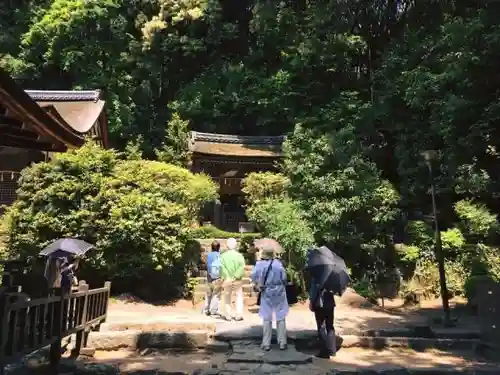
(61,118)
(233,145)
(64,96)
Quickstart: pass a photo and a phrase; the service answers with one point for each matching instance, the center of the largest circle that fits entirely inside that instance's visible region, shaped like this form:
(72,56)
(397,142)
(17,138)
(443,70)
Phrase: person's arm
(255,273)
(223,268)
(210,259)
(283,274)
(313,291)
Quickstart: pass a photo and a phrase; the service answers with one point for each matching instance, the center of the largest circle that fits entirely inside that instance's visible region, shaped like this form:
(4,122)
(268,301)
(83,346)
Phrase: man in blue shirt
(322,303)
(212,295)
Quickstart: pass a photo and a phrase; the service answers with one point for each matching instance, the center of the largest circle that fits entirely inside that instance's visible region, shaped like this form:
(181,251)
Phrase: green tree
(175,148)
(137,213)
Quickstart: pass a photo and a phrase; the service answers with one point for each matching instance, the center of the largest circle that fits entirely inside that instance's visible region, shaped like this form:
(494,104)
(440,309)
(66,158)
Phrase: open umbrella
(329,269)
(67,246)
(268,243)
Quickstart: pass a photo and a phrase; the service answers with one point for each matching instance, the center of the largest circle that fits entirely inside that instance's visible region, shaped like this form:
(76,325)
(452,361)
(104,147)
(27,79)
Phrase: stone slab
(134,339)
(157,325)
(351,341)
(254,354)
(399,332)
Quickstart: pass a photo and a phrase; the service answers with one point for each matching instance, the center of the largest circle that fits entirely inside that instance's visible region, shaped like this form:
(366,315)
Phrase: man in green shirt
(232,270)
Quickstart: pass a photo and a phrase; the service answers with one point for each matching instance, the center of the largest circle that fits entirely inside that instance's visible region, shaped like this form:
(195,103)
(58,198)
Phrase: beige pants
(212,297)
(230,288)
(267,333)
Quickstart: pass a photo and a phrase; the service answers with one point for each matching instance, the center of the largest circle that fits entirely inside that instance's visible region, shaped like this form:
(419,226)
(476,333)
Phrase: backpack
(214,270)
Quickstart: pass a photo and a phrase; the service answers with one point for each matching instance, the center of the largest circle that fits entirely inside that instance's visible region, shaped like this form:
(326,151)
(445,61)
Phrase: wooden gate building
(228,159)
(36,123)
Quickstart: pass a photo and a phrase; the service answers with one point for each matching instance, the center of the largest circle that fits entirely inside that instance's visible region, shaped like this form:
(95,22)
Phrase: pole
(439,253)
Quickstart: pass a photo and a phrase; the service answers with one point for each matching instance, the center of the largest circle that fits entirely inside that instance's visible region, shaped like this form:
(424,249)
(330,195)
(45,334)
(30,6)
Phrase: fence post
(82,314)
(55,347)
(107,285)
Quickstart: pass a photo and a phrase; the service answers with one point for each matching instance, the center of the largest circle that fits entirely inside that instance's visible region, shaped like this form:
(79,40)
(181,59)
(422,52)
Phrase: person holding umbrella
(270,277)
(329,276)
(63,257)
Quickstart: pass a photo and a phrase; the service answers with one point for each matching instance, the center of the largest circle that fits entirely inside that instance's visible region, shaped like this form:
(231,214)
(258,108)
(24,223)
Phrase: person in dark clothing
(68,274)
(322,303)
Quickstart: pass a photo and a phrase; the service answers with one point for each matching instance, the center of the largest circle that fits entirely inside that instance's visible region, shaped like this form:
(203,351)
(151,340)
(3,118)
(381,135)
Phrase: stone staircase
(200,282)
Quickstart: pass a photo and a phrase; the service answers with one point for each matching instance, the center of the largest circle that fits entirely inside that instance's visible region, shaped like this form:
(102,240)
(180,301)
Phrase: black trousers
(324,322)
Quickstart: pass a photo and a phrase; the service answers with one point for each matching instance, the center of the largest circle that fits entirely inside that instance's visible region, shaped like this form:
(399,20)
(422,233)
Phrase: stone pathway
(238,352)
(300,322)
(249,362)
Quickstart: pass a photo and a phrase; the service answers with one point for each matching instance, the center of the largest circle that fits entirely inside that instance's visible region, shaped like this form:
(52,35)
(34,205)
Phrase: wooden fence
(28,325)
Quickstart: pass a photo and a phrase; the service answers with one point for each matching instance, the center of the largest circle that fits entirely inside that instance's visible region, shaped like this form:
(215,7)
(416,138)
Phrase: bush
(478,222)
(283,220)
(263,185)
(136,212)
(210,231)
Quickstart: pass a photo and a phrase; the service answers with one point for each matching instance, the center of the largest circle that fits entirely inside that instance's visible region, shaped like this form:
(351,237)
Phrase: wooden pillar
(217,214)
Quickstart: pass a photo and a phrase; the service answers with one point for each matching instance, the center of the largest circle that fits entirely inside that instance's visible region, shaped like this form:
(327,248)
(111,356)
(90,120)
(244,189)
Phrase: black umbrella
(329,269)
(67,246)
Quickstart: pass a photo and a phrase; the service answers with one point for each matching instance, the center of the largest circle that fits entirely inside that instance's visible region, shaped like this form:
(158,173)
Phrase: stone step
(140,339)
(380,343)
(180,338)
(249,298)
(202,272)
(247,289)
(202,280)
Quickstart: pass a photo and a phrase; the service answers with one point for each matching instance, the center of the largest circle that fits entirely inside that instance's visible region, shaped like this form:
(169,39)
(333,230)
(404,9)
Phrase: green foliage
(136,212)
(477,220)
(370,85)
(340,189)
(408,253)
(265,185)
(210,231)
(174,149)
(452,239)
(133,149)
(284,221)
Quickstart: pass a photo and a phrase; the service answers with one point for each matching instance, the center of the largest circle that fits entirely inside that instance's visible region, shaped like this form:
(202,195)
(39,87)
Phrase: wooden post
(55,347)
(82,317)
(107,285)
(4,325)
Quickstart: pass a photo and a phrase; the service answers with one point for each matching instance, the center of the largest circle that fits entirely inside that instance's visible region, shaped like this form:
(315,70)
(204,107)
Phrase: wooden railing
(29,325)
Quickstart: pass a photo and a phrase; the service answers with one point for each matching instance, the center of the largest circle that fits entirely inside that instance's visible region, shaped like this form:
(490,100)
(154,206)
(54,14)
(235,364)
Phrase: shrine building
(228,159)
(36,123)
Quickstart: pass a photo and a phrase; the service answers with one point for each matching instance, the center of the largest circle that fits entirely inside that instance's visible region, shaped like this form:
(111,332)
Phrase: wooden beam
(13,130)
(8,120)
(10,140)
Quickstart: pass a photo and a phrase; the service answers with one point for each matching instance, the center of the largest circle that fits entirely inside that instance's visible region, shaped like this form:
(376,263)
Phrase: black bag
(264,283)
(291,294)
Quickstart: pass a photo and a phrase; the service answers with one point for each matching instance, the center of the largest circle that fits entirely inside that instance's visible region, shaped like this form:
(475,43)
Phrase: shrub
(263,185)
(283,220)
(136,212)
(211,231)
(478,222)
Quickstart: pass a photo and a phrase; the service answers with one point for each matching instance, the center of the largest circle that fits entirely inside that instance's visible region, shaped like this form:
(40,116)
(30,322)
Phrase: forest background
(360,88)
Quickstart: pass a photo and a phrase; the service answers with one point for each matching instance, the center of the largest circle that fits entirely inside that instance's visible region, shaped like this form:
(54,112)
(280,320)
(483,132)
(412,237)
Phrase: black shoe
(323,355)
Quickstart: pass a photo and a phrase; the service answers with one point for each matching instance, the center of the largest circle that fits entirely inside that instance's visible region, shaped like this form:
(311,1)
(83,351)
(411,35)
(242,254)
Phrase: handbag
(259,296)
(291,294)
